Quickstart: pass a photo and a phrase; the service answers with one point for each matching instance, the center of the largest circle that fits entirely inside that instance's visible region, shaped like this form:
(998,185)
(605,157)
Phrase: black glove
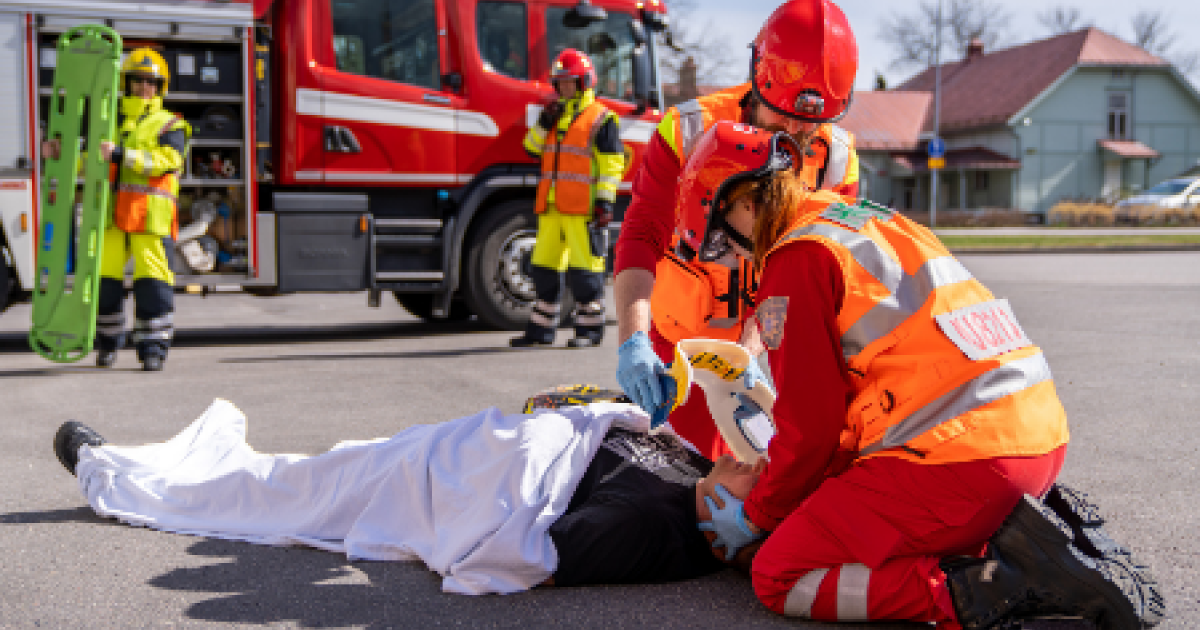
(602,214)
(550,113)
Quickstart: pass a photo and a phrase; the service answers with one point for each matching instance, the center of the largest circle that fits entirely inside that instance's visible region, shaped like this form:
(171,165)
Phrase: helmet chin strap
(732,234)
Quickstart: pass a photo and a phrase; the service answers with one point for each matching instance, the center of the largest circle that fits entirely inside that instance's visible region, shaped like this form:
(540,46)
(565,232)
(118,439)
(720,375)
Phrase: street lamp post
(937,106)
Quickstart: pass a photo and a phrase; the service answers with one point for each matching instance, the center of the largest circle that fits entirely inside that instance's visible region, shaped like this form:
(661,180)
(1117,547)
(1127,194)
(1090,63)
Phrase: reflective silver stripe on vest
(575,177)
(853,582)
(142,189)
(988,387)
(906,298)
(838,160)
(907,293)
(800,599)
(691,125)
(579,151)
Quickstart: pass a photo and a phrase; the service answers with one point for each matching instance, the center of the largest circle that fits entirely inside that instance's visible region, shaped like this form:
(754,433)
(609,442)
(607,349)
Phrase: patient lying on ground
(494,503)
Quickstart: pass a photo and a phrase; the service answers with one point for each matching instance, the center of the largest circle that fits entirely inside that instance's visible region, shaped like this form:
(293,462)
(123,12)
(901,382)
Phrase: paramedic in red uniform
(915,420)
(661,296)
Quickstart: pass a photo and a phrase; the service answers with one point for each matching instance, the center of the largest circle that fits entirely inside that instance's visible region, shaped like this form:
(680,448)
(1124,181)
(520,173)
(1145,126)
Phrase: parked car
(1173,197)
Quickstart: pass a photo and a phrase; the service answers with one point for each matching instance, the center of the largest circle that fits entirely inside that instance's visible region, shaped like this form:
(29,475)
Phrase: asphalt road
(1122,333)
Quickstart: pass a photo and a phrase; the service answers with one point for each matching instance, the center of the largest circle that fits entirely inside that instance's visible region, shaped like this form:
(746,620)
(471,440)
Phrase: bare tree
(703,43)
(912,36)
(1151,32)
(1061,19)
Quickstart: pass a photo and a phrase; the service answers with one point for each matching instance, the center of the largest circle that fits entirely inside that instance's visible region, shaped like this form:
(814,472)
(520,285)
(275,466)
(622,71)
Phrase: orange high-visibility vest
(941,371)
(567,164)
(694,299)
(698,300)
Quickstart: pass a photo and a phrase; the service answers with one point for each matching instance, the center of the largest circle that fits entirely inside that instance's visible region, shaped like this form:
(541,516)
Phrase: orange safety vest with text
(567,164)
(694,299)
(941,370)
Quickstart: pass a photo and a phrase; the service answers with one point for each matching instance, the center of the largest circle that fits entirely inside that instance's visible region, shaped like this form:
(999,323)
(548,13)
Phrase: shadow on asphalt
(82,514)
(416,354)
(257,335)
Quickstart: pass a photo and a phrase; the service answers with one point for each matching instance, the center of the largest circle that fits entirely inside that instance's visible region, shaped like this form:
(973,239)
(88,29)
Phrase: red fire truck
(342,145)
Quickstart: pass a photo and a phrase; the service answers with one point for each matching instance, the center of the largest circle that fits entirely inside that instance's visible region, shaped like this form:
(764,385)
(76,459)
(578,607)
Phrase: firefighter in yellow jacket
(579,143)
(144,172)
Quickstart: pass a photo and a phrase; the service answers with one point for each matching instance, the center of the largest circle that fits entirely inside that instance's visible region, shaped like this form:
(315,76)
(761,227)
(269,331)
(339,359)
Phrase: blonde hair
(777,200)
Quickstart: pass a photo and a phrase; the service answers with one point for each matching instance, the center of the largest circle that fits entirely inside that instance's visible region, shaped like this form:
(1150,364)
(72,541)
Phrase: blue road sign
(936,148)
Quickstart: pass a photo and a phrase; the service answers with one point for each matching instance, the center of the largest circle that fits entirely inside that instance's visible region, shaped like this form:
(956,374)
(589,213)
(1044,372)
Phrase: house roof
(989,89)
(888,120)
(1128,148)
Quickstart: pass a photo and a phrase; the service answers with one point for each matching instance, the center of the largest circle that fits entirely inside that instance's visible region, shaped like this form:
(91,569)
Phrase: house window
(981,180)
(1118,115)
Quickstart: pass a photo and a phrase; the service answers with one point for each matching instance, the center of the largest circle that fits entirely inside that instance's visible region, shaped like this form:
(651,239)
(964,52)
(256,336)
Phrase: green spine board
(64,304)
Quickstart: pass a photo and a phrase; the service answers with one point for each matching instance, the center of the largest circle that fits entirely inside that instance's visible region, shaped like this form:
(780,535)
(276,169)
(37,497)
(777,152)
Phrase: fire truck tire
(496,280)
(420,305)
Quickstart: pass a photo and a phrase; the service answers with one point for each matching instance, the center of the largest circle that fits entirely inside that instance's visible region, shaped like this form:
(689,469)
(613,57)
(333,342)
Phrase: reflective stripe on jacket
(940,369)
(574,174)
(716,315)
(147,181)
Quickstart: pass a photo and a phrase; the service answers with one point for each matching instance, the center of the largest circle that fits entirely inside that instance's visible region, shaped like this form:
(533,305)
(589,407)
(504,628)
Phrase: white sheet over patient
(471,498)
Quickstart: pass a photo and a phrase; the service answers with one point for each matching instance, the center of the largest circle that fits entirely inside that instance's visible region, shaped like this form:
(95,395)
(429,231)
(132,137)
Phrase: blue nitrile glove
(669,388)
(729,523)
(753,374)
(638,369)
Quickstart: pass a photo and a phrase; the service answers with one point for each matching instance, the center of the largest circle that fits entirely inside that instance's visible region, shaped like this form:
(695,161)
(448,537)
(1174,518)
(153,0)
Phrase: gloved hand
(753,374)
(603,213)
(638,370)
(550,113)
(729,523)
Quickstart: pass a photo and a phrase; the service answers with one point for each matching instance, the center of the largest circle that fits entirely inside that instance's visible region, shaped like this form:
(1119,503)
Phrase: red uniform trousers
(691,420)
(866,544)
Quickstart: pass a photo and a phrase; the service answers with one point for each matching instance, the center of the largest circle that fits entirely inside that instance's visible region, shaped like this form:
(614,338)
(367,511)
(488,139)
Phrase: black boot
(106,358)
(1031,570)
(71,435)
(586,337)
(534,336)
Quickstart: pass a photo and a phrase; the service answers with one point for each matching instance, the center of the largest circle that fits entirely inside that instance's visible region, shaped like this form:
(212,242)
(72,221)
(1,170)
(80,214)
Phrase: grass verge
(966,243)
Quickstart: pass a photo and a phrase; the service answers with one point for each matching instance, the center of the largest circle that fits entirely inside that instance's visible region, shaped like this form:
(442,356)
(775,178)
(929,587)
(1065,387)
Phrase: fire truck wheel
(498,288)
(421,305)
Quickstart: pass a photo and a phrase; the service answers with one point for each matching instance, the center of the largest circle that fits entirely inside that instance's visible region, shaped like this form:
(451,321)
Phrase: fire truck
(342,145)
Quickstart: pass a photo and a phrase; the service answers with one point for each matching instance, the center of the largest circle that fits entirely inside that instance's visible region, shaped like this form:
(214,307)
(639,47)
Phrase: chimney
(974,48)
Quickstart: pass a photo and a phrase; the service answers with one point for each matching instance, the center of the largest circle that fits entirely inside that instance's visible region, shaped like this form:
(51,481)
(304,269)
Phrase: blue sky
(740,20)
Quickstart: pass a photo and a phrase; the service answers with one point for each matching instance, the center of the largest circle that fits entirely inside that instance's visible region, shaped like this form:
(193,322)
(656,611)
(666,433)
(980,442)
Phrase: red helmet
(804,61)
(572,64)
(725,155)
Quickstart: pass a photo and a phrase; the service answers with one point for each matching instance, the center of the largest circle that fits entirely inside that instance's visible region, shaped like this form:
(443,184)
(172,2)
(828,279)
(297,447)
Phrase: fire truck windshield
(608,43)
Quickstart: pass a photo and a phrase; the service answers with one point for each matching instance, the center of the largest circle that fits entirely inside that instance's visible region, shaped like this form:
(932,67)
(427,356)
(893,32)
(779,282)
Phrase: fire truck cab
(343,145)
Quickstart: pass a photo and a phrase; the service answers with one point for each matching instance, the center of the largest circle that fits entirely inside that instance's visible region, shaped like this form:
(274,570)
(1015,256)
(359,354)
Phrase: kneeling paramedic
(915,422)
(144,172)
(579,143)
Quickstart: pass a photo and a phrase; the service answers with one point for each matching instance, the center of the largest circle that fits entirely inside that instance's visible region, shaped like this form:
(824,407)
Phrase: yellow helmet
(146,62)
